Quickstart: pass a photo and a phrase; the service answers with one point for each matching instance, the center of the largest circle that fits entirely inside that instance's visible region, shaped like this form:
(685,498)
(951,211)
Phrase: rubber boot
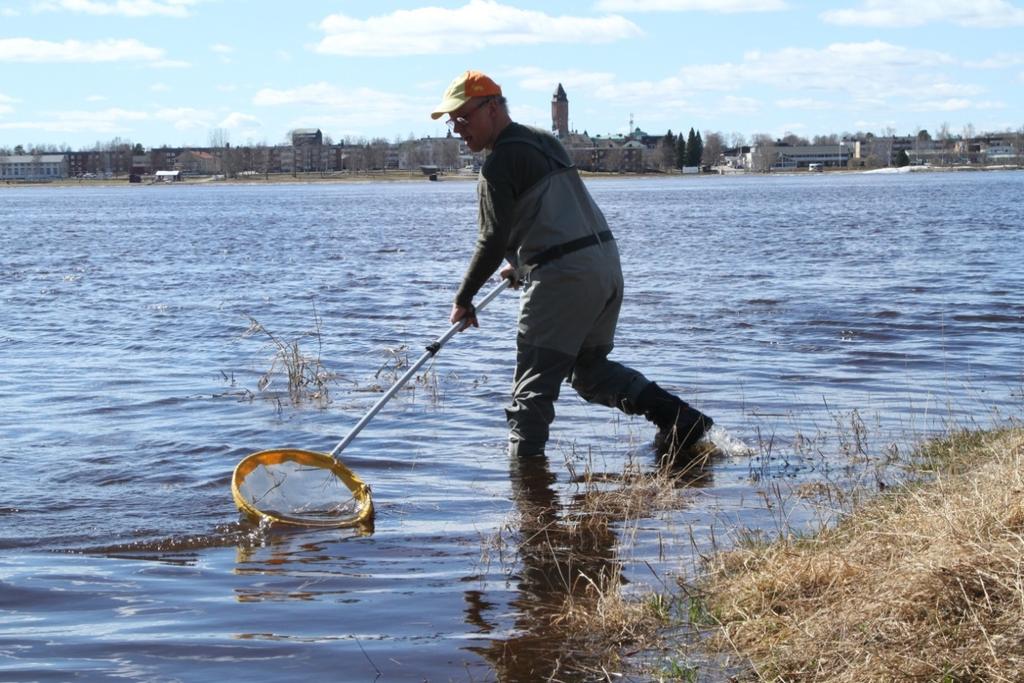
(680,425)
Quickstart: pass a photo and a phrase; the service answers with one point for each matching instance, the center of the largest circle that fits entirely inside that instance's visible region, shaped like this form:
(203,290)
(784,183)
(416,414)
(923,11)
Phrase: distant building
(560,113)
(737,157)
(801,156)
(646,139)
(307,151)
(100,162)
(307,136)
(164,158)
(33,167)
(198,162)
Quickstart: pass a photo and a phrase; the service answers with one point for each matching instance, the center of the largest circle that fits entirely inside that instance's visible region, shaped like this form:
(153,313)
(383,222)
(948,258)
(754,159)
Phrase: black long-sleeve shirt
(509,171)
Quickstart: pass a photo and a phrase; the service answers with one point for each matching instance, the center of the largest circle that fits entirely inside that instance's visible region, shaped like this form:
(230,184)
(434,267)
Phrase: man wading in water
(536,212)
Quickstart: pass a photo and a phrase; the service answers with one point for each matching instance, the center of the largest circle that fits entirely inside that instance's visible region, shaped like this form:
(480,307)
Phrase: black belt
(560,250)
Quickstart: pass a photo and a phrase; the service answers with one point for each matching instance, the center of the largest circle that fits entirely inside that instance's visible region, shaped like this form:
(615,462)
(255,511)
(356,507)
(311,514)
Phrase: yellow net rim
(360,491)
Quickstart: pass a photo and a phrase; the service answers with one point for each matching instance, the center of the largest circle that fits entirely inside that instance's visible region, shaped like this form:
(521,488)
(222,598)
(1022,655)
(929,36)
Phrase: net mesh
(301,487)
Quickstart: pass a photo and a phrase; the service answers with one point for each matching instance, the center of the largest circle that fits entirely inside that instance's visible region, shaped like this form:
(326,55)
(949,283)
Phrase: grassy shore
(923,582)
(918,581)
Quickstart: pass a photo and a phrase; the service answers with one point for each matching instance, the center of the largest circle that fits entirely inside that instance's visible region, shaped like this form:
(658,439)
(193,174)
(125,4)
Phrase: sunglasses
(460,121)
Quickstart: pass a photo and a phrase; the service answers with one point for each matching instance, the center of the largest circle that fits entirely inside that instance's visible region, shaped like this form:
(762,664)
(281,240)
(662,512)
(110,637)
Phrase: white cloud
(868,76)
(943,89)
(719,6)
(103,121)
(951,104)
(805,103)
(602,85)
(186,118)
(170,64)
(119,121)
(1004,60)
(474,26)
(127,8)
(543,80)
(224,51)
(325,94)
(840,66)
(236,120)
(345,108)
(837,68)
(904,13)
(739,105)
(74,51)
(159,87)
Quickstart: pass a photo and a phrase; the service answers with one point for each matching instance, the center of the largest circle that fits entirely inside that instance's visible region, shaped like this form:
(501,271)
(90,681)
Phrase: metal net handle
(431,351)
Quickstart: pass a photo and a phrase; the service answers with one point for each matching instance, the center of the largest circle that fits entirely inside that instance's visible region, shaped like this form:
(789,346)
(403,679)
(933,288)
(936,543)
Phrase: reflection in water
(561,563)
(568,565)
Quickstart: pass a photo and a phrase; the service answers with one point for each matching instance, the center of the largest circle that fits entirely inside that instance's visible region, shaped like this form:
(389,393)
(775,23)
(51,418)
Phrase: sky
(194,72)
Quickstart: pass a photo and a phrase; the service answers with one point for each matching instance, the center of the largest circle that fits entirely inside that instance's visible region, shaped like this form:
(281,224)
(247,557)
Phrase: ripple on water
(131,391)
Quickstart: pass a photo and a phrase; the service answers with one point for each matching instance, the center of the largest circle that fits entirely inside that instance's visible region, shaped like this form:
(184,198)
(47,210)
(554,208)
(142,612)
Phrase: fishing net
(314,489)
(302,488)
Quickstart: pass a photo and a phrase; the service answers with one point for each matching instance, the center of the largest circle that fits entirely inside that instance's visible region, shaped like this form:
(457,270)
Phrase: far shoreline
(407,176)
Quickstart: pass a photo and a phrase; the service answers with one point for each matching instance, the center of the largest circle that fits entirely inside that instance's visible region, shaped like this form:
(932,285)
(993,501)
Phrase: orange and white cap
(462,89)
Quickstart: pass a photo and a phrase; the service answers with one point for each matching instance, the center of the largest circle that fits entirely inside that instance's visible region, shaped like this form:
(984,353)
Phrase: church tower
(560,113)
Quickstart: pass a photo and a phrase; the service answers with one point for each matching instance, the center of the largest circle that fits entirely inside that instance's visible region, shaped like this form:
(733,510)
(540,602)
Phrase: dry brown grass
(635,493)
(925,582)
(307,378)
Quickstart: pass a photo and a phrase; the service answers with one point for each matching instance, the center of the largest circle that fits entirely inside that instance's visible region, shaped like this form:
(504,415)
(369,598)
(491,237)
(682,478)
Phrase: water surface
(826,322)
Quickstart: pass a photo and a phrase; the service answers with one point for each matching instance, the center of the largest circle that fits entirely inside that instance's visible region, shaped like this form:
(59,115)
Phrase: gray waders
(572,293)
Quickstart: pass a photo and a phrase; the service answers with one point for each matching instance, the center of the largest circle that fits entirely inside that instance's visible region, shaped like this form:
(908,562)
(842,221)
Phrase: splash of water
(729,444)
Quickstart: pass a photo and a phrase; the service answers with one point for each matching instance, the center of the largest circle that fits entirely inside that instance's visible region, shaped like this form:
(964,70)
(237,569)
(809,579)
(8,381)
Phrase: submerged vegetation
(307,378)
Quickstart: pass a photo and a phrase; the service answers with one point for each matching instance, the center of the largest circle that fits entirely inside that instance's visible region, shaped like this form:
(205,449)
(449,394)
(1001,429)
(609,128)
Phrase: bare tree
(377,153)
(890,133)
(450,153)
(219,138)
(231,160)
(764,153)
(665,159)
(713,147)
